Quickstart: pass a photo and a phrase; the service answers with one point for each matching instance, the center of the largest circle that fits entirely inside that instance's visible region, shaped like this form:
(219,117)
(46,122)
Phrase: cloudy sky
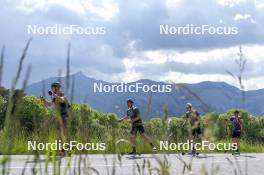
(133,47)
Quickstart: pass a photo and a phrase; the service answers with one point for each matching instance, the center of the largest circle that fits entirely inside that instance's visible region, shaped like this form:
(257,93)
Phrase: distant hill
(205,96)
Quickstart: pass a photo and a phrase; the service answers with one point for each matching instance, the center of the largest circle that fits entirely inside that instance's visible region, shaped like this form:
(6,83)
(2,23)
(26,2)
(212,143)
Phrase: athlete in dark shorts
(193,118)
(237,123)
(133,115)
(60,103)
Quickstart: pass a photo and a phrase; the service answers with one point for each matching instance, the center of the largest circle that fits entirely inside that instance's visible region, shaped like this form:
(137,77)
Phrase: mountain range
(205,96)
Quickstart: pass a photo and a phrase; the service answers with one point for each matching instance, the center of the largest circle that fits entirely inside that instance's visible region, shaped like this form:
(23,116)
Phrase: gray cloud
(145,26)
(137,22)
(206,67)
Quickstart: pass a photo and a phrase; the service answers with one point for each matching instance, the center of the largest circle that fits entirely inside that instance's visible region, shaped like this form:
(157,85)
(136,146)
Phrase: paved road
(220,164)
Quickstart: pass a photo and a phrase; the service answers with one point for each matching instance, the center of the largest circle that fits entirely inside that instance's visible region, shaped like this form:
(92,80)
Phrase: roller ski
(192,153)
(154,150)
(132,153)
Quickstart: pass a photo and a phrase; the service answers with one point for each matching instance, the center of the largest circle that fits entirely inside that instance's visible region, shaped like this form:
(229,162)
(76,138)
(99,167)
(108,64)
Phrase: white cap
(188,105)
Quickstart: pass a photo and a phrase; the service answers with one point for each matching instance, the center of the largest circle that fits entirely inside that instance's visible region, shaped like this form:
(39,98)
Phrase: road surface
(220,164)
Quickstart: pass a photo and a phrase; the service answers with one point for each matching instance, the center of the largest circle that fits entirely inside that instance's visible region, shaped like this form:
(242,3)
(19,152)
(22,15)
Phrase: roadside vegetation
(33,121)
(24,118)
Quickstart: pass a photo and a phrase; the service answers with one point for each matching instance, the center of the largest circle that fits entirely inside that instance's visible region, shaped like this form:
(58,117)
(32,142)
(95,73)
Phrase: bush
(3,105)
(31,113)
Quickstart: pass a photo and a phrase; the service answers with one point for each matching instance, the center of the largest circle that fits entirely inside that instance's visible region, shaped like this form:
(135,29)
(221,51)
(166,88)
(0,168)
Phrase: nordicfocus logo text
(204,145)
(135,87)
(190,29)
(59,29)
(59,145)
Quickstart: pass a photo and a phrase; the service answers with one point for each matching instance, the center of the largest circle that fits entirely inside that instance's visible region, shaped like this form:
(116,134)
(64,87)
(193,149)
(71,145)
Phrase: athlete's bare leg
(236,141)
(145,138)
(133,143)
(148,140)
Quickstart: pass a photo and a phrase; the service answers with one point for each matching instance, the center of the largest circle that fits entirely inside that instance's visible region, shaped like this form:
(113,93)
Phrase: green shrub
(31,113)
(3,105)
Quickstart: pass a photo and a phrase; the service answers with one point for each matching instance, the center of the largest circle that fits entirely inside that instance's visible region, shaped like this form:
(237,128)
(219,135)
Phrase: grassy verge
(122,146)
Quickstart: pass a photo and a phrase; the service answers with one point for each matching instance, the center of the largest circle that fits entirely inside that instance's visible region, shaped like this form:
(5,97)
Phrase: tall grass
(85,124)
(2,63)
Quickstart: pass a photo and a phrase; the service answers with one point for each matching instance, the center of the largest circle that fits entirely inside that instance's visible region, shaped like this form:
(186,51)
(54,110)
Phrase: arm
(135,119)
(197,122)
(226,124)
(185,120)
(137,113)
(124,118)
(241,124)
(60,98)
(47,103)
(198,115)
